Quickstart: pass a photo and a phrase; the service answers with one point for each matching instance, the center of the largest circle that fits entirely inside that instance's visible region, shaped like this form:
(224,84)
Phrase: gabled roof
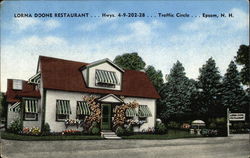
(28,90)
(59,74)
(102,61)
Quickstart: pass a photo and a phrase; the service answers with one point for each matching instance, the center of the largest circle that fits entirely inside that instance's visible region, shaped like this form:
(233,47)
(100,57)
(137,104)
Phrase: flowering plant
(31,131)
(70,131)
(134,122)
(26,130)
(72,122)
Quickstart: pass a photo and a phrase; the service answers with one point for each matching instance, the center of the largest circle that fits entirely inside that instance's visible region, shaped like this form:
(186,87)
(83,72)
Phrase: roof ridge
(54,58)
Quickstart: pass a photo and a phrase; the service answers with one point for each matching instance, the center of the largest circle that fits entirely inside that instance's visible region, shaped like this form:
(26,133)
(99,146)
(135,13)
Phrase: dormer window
(106,78)
(17,84)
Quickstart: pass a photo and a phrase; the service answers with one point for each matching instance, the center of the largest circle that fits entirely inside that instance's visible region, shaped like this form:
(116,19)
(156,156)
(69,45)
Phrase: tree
(233,95)
(3,109)
(209,89)
(176,94)
(130,61)
(155,77)
(243,59)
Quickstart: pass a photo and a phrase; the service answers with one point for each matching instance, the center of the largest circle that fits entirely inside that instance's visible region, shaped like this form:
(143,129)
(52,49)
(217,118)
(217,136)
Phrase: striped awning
(131,112)
(15,107)
(144,111)
(106,77)
(82,108)
(35,79)
(63,107)
(31,105)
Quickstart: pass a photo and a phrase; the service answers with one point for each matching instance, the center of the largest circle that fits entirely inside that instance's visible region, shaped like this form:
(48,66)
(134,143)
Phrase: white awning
(31,105)
(144,111)
(106,77)
(35,79)
(82,108)
(63,107)
(131,112)
(15,107)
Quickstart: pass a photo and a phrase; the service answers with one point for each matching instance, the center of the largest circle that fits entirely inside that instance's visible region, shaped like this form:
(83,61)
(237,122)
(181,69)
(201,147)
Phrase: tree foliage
(155,77)
(243,59)
(130,61)
(233,95)
(176,94)
(209,84)
(3,108)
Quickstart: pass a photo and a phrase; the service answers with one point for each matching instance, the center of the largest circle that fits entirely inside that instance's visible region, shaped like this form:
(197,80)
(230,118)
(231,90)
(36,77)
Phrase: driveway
(235,146)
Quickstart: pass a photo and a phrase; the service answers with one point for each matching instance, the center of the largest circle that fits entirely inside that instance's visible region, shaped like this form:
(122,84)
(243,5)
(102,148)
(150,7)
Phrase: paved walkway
(236,146)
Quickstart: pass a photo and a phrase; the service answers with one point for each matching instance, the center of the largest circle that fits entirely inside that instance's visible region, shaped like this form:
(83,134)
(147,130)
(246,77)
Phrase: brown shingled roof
(59,74)
(27,91)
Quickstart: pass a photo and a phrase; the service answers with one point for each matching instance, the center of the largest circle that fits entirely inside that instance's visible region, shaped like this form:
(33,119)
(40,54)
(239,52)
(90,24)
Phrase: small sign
(237,116)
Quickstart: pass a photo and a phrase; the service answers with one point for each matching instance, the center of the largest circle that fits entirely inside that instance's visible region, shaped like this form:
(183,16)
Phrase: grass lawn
(172,134)
(11,136)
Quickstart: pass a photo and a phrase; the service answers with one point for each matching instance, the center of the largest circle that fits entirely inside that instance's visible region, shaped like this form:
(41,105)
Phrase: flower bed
(31,131)
(72,122)
(71,132)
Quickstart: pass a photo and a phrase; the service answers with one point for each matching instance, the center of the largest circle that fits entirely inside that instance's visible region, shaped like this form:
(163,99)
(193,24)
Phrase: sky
(160,41)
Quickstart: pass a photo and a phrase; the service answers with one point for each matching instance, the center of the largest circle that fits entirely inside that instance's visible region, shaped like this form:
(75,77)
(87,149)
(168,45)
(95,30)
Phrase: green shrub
(119,131)
(173,124)
(95,130)
(94,124)
(46,128)
(16,126)
(160,128)
(212,125)
(220,124)
(209,132)
(129,130)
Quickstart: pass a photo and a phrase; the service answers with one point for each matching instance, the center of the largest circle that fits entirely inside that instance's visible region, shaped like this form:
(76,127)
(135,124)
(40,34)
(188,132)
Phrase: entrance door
(106,116)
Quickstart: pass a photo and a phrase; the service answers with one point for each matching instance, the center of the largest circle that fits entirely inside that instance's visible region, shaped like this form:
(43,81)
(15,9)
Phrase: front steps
(109,135)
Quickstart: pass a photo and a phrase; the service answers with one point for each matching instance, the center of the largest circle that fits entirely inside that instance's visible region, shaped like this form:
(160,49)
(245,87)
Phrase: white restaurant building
(56,91)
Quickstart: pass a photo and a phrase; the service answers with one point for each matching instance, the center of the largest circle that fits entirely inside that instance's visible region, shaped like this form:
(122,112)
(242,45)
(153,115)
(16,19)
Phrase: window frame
(81,117)
(66,115)
(30,118)
(62,119)
(17,84)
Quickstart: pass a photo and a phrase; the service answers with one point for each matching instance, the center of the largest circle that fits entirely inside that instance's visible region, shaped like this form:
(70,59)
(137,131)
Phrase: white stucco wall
(73,97)
(11,116)
(107,67)
(84,73)
(50,111)
(151,103)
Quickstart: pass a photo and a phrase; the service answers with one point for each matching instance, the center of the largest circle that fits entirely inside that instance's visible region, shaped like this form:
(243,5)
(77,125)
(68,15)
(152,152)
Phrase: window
(106,78)
(62,117)
(80,117)
(31,109)
(17,84)
(143,119)
(82,110)
(63,110)
(30,116)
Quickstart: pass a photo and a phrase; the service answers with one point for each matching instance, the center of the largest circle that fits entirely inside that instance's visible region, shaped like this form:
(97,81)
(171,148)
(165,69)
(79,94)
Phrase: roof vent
(17,84)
